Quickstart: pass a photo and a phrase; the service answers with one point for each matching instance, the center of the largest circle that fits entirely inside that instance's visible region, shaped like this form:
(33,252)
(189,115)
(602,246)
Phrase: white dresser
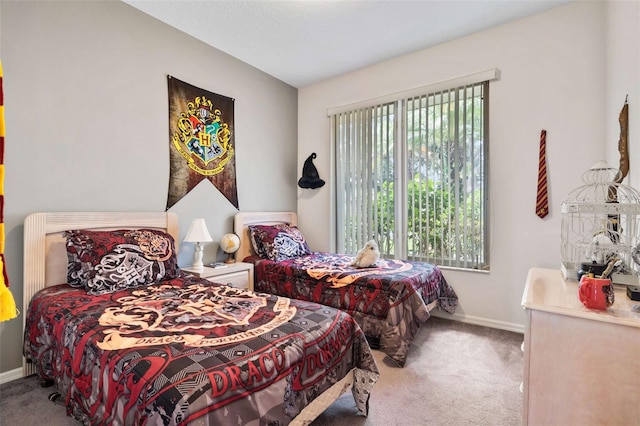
(581,366)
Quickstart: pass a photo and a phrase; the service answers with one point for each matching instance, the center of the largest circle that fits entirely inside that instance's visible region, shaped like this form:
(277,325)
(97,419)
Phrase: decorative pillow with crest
(278,242)
(109,261)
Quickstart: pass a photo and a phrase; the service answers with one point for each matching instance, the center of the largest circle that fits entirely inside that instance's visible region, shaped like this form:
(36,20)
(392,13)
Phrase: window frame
(400,101)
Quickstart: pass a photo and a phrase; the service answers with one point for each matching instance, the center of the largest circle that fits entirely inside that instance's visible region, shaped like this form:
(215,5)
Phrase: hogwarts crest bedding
(187,351)
(389,300)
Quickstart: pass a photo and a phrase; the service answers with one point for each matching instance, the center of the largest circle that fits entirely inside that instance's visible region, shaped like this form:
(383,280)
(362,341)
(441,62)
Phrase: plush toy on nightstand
(367,256)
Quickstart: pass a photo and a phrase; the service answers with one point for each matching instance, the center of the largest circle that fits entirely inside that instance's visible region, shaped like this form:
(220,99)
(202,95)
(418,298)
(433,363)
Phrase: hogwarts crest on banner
(202,144)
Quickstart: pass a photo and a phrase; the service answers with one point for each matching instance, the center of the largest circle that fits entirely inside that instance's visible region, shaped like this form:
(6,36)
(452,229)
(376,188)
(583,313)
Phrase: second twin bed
(390,301)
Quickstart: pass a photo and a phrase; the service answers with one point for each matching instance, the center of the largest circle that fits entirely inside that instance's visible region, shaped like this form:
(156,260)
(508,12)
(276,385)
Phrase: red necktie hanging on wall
(542,199)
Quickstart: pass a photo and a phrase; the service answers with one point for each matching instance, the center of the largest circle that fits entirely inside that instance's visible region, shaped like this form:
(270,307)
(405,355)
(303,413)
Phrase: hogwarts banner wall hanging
(201,146)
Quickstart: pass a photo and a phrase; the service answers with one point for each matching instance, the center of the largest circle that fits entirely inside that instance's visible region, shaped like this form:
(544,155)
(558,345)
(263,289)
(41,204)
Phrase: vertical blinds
(363,172)
(412,174)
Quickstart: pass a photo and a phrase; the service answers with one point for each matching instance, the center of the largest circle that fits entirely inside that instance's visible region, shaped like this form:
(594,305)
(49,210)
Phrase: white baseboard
(11,375)
(485,322)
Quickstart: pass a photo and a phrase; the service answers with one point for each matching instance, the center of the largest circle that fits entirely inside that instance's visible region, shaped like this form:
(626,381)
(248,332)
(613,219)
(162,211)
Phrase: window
(412,174)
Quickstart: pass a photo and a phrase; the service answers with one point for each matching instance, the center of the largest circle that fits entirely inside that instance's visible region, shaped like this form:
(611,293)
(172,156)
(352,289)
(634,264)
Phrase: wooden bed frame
(45,264)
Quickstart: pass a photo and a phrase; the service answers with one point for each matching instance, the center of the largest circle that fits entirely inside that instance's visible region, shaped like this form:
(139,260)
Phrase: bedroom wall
(85,86)
(554,76)
(622,65)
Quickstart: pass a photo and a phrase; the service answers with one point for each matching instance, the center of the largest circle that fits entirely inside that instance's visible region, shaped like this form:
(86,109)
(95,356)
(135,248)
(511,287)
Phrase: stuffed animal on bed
(367,256)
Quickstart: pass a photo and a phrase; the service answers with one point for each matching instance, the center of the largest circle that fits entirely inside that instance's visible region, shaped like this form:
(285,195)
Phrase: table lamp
(198,233)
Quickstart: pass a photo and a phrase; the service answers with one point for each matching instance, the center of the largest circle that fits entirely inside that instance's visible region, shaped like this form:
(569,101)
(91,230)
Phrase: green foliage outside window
(441,141)
(432,221)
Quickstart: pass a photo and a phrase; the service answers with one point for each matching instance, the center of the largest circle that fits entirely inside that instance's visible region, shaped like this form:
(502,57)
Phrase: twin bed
(390,301)
(127,338)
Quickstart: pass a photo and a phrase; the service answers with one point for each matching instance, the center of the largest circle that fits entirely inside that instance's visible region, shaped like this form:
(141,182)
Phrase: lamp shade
(198,232)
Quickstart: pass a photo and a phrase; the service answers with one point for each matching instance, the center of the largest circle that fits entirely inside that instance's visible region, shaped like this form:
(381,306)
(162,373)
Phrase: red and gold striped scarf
(8,308)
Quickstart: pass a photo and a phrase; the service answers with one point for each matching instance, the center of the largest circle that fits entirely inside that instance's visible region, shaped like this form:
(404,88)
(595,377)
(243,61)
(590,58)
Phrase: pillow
(278,242)
(109,261)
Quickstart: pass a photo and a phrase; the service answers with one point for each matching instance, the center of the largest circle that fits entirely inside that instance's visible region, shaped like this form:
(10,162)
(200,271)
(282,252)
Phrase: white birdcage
(601,223)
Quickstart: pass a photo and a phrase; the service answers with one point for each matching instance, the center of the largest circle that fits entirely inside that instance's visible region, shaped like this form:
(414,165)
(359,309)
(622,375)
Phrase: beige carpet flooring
(457,374)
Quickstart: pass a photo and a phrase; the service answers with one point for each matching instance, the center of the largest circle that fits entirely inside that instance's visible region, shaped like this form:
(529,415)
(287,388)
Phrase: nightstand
(238,274)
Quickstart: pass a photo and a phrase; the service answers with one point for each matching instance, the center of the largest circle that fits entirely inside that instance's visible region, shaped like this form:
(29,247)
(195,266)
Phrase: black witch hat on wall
(310,178)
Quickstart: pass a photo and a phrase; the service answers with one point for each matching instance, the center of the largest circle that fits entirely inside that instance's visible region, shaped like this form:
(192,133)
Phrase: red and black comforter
(389,301)
(187,349)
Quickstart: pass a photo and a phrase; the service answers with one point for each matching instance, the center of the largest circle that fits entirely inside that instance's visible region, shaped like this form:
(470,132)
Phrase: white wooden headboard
(45,253)
(242,221)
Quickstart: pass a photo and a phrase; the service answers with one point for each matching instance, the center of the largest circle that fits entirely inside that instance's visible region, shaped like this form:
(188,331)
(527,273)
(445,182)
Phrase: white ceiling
(305,41)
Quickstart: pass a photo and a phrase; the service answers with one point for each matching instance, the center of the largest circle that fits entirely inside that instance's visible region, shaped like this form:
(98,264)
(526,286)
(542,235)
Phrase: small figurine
(367,256)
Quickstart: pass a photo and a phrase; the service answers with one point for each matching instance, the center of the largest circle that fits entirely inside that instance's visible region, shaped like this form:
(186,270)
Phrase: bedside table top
(209,271)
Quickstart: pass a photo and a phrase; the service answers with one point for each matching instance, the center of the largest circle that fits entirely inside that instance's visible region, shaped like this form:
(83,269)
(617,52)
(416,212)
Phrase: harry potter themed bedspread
(186,350)
(389,300)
